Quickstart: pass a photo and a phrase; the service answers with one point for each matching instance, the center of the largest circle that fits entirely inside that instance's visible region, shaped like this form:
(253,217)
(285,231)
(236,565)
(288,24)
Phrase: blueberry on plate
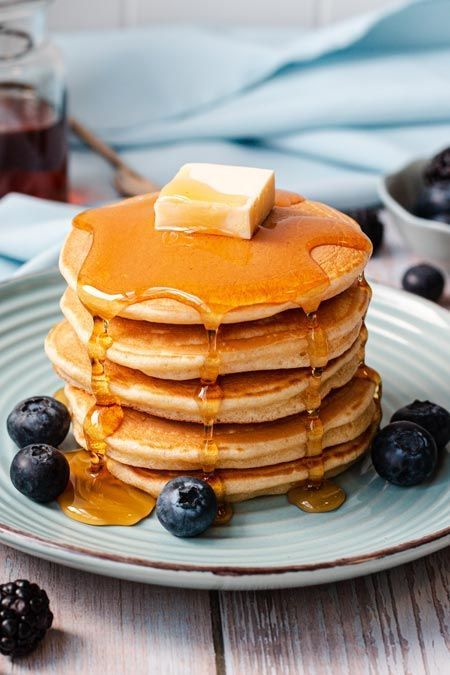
(404,453)
(39,419)
(430,416)
(424,280)
(370,223)
(186,506)
(40,472)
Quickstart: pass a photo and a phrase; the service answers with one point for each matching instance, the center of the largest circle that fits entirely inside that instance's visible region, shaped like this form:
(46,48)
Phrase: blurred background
(67,14)
(347,100)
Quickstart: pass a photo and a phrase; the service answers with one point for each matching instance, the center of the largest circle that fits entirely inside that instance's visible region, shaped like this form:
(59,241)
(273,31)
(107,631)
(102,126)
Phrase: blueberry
(40,472)
(370,223)
(424,280)
(433,200)
(443,217)
(404,453)
(438,168)
(186,506)
(40,419)
(432,417)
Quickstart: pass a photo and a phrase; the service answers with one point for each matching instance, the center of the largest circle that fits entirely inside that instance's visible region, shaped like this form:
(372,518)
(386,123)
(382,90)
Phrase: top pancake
(305,253)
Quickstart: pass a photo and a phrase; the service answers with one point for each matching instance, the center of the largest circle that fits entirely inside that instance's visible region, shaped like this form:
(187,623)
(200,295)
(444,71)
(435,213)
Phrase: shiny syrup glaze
(318,495)
(130,262)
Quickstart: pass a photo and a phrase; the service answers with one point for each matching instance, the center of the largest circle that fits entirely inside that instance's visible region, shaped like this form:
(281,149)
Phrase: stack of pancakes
(261,429)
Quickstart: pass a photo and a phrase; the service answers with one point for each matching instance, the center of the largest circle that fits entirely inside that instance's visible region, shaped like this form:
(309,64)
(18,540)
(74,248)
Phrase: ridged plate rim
(223,576)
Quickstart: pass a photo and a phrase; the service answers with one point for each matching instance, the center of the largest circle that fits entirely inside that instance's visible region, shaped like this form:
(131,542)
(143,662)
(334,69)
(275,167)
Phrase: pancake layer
(179,352)
(240,485)
(247,397)
(341,264)
(146,441)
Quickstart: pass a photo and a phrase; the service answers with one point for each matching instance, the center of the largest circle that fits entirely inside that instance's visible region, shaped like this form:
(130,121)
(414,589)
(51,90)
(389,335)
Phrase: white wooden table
(390,623)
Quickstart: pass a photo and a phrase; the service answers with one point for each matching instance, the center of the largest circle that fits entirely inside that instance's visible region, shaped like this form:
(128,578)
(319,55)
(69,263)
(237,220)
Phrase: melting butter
(216,199)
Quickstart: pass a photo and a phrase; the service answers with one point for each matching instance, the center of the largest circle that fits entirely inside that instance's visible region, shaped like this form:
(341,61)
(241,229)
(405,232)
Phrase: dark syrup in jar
(33,144)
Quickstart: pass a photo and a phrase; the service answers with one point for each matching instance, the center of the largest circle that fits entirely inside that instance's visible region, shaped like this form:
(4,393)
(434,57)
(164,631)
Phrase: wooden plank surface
(106,626)
(389,623)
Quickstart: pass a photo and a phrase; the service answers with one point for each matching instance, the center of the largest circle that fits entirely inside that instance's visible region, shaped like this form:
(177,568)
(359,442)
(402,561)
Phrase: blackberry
(25,617)
(438,168)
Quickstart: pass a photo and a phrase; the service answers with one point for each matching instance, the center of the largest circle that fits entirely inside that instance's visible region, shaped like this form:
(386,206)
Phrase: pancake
(341,264)
(178,352)
(228,308)
(240,485)
(146,441)
(247,397)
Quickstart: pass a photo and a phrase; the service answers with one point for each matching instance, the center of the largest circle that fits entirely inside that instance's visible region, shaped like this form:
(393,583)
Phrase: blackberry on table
(25,617)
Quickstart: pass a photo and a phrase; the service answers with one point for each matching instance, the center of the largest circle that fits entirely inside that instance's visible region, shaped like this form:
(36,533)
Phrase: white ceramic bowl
(398,192)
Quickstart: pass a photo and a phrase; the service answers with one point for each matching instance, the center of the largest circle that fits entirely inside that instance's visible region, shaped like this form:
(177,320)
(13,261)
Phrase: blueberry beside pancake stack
(237,360)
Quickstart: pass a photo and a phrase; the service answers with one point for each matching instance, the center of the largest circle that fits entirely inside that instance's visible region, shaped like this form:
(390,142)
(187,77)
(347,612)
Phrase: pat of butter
(216,199)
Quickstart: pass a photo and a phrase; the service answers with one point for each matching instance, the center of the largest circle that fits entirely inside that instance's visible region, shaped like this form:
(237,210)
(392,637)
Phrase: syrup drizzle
(209,399)
(317,495)
(318,352)
(93,496)
(214,276)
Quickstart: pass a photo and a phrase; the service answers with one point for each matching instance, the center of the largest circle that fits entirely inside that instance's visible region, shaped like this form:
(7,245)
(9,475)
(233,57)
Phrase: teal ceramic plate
(269,542)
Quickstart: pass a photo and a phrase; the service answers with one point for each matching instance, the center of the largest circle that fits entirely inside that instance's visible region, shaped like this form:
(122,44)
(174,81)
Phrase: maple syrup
(317,494)
(33,148)
(95,497)
(60,396)
(214,275)
(209,398)
(286,198)
(365,371)
(318,353)
(325,497)
(224,509)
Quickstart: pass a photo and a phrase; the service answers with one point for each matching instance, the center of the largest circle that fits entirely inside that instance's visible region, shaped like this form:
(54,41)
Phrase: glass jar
(33,130)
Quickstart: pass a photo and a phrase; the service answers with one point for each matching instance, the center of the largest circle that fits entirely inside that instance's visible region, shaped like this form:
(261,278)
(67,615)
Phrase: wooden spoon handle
(96,143)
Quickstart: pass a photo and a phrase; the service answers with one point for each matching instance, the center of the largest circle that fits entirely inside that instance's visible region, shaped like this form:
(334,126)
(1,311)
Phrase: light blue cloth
(328,110)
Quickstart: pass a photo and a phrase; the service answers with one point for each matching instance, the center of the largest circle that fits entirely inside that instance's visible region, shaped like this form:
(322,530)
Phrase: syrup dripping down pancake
(247,397)
(303,255)
(147,441)
(242,484)
(178,352)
